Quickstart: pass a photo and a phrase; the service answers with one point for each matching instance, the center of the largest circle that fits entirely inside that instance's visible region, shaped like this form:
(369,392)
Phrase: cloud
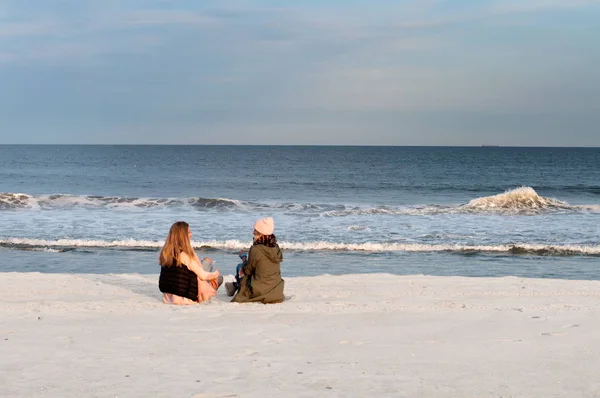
(6,57)
(451,88)
(154,17)
(292,27)
(513,7)
(25,29)
(485,11)
(335,70)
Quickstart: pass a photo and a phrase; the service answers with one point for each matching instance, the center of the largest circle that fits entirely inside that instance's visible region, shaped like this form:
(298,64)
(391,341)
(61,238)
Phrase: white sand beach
(336,336)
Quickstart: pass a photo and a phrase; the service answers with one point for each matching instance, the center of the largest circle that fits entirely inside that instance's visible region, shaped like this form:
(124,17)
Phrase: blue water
(487,211)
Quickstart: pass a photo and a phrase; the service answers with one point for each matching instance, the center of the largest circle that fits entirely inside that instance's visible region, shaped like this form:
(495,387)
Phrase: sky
(321,72)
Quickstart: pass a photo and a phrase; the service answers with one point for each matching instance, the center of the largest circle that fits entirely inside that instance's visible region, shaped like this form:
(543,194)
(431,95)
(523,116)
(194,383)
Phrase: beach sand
(336,336)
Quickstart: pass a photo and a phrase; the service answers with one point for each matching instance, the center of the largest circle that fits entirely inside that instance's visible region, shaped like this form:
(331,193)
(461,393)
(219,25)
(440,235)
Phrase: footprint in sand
(553,334)
(352,342)
(279,341)
(226,379)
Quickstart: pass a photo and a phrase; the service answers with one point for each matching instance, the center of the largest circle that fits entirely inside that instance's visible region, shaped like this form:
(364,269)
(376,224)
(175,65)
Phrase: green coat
(262,282)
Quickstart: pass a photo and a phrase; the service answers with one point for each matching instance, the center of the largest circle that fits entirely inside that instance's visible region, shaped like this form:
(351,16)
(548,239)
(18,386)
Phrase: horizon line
(311,145)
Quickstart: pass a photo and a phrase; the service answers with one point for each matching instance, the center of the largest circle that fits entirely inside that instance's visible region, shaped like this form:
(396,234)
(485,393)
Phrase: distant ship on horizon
(487,145)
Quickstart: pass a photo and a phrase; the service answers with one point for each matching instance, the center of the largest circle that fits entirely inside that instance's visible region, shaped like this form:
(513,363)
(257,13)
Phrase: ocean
(470,211)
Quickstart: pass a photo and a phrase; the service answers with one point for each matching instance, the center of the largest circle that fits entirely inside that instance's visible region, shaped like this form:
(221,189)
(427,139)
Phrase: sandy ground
(336,336)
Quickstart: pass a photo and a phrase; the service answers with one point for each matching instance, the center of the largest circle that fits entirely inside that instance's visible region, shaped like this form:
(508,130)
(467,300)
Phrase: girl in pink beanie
(265,226)
(261,281)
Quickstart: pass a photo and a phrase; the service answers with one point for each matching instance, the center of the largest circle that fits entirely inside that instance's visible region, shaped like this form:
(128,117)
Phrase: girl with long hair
(183,280)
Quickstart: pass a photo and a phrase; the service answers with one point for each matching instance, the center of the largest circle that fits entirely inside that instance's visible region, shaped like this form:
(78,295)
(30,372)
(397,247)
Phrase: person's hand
(215,282)
(217,272)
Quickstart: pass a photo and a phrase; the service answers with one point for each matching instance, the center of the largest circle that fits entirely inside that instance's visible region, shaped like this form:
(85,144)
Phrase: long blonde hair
(177,242)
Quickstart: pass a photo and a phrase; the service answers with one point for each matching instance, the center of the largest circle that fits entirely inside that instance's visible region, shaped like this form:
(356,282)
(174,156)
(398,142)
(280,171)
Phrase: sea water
(472,211)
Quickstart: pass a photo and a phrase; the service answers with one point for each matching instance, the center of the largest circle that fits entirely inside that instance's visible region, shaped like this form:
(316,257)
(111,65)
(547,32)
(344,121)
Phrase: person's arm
(250,265)
(195,266)
(200,261)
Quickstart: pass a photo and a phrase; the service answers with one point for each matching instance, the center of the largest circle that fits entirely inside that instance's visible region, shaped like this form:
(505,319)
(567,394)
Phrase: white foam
(522,199)
(316,246)
(23,201)
(358,228)
(125,243)
(417,247)
(45,250)
(15,200)
(386,211)
(588,208)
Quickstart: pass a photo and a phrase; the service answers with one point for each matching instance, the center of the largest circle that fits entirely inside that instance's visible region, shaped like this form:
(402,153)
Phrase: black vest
(179,281)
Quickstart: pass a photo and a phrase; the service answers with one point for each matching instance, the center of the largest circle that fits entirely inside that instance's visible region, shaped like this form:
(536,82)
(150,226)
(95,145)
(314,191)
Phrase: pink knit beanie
(265,226)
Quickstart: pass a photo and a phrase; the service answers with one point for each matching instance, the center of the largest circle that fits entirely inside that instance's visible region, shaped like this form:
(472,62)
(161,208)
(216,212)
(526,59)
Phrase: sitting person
(208,266)
(261,280)
(183,280)
(233,287)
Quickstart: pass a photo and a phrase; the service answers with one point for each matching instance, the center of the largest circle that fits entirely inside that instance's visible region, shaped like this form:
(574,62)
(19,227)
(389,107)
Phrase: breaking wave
(62,245)
(215,203)
(518,200)
(390,211)
(15,201)
(522,200)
